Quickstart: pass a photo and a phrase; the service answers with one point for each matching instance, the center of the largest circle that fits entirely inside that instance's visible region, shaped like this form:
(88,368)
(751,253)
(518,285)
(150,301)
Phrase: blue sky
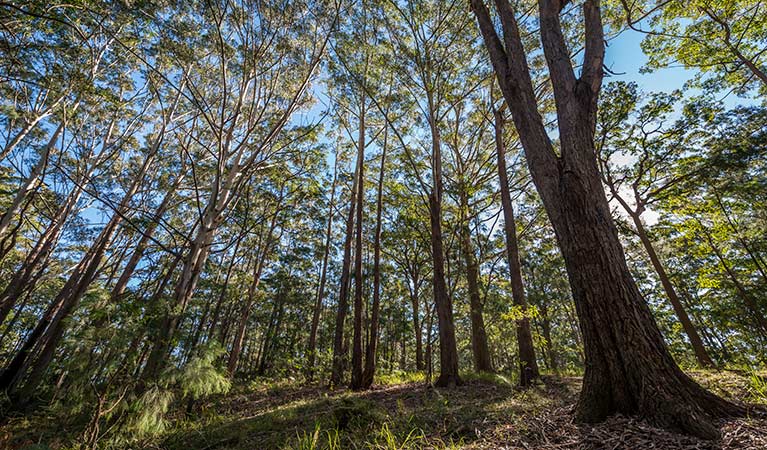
(624,56)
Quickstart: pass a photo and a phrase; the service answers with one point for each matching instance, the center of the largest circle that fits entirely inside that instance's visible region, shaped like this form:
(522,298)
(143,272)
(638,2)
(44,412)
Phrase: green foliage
(200,377)
(150,413)
(758,386)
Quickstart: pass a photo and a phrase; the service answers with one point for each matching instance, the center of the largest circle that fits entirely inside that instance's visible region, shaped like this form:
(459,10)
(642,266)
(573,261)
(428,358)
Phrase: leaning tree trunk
(30,183)
(192,266)
(528,365)
(704,360)
(239,337)
(37,259)
(45,338)
(628,367)
(122,282)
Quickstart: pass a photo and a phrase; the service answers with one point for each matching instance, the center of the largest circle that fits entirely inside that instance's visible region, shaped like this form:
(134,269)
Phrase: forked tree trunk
(528,365)
(628,367)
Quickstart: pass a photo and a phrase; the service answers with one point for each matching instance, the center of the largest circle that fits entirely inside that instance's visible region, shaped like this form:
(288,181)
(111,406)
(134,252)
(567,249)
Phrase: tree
(528,365)
(656,151)
(723,39)
(628,367)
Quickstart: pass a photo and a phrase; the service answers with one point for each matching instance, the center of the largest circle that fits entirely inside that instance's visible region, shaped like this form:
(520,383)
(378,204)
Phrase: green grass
(402,412)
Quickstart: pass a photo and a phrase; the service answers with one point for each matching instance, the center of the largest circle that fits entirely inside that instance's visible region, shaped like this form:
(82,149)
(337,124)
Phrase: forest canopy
(383,223)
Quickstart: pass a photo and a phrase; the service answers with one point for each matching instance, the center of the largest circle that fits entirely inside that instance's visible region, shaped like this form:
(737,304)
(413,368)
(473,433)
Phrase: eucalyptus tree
(36,353)
(471,171)
(528,363)
(724,40)
(435,58)
(626,130)
(256,63)
(52,70)
(628,367)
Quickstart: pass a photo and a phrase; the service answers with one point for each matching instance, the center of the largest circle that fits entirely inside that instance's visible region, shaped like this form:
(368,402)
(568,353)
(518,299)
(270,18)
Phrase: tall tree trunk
(312,347)
(359,285)
(370,351)
(448,351)
(528,365)
(628,367)
(193,264)
(337,370)
(265,250)
(479,346)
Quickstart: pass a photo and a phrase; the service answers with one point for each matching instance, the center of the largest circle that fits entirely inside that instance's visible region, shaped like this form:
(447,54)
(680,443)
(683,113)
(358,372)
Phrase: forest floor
(486,412)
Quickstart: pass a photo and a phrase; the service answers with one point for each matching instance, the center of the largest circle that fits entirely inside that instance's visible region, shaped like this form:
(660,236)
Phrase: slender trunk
(701,354)
(312,348)
(234,355)
(24,131)
(50,329)
(370,351)
(343,297)
(193,264)
(119,288)
(37,259)
(479,346)
(754,256)
(528,365)
(448,351)
(415,301)
(359,285)
(744,294)
(30,182)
